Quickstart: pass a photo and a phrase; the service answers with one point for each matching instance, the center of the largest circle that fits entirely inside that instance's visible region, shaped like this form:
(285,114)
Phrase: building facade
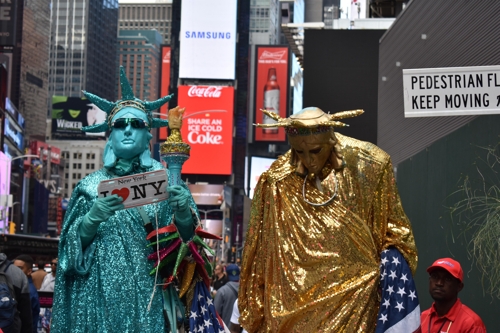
(139,54)
(82,43)
(138,15)
(27,65)
(81,158)
(264,22)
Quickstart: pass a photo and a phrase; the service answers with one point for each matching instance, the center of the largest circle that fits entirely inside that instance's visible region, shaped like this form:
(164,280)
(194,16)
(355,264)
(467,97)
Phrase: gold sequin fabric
(316,269)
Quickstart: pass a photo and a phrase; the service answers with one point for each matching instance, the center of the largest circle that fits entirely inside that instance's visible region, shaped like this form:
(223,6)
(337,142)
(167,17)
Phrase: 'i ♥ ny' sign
(137,190)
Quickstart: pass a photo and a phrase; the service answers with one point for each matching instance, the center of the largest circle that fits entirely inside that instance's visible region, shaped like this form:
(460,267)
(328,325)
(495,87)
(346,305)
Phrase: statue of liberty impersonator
(107,277)
(320,218)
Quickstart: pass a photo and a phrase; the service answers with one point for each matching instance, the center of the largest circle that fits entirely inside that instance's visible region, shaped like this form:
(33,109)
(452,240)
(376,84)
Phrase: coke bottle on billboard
(271,100)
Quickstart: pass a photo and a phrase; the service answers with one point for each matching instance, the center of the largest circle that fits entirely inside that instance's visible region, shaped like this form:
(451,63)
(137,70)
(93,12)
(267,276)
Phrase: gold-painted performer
(320,217)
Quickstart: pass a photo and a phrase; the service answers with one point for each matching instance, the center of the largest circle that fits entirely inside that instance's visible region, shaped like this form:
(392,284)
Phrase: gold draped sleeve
(316,269)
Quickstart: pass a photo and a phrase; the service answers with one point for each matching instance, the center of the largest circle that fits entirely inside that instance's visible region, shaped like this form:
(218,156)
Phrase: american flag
(399,308)
(203,317)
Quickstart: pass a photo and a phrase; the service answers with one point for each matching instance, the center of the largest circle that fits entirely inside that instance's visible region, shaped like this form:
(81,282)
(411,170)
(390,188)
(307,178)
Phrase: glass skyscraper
(83,48)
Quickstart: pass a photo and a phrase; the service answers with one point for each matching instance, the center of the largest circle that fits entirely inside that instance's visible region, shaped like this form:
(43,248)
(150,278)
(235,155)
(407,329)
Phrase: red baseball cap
(452,266)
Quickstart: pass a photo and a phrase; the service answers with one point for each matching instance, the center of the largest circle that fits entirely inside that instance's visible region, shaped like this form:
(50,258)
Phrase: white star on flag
(390,290)
(404,278)
(399,306)
(395,261)
(412,295)
(386,303)
(393,275)
(193,315)
(401,291)
(383,317)
(384,261)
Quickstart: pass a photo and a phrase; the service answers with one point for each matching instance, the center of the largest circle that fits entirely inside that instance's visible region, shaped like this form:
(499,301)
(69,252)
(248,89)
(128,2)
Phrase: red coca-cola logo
(205,91)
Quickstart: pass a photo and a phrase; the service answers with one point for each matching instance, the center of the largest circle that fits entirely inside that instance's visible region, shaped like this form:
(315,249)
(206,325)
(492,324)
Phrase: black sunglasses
(134,122)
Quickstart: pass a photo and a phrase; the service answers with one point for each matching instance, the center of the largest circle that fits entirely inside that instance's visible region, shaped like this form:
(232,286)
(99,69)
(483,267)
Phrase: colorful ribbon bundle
(182,265)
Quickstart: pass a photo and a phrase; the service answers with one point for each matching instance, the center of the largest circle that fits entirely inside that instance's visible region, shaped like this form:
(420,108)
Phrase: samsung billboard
(208,39)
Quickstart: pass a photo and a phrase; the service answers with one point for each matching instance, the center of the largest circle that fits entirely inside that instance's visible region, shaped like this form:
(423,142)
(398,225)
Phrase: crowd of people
(20,309)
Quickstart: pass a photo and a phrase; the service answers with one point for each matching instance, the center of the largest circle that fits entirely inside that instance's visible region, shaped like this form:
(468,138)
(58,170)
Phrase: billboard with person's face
(70,114)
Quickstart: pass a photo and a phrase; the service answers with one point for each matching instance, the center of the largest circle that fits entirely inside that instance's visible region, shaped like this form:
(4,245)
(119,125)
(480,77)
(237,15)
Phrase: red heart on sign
(123,192)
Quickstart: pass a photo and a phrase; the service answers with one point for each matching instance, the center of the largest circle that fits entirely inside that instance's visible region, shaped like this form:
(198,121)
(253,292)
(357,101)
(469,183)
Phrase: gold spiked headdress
(309,121)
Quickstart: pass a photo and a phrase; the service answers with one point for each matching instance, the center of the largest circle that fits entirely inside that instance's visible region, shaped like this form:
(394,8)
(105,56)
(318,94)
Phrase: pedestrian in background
(447,313)
(235,326)
(39,275)
(50,279)
(227,294)
(220,278)
(22,318)
(25,263)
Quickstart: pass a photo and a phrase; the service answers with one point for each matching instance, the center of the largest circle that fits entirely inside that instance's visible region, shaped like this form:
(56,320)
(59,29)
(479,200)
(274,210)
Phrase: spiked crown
(128,100)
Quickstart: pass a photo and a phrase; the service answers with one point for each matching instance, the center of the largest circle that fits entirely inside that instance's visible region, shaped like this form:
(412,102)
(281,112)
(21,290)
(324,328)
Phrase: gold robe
(316,269)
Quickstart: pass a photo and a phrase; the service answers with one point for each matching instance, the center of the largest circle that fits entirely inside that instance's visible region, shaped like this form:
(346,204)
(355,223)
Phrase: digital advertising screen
(70,114)
(207,127)
(208,39)
(271,90)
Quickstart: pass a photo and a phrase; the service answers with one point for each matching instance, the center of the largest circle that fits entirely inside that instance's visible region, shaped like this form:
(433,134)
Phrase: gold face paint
(312,150)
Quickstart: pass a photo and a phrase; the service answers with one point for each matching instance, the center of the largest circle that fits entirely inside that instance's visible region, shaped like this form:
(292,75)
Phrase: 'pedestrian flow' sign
(457,91)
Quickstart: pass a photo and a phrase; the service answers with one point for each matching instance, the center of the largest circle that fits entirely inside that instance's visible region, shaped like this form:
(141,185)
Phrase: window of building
(66,186)
(73,186)
(79,176)
(92,166)
(66,176)
(74,176)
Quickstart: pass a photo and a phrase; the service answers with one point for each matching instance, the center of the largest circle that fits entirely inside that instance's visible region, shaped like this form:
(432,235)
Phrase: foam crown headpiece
(128,100)
(309,121)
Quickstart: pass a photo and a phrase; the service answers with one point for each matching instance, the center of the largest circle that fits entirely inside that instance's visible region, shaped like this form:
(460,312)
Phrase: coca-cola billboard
(271,89)
(208,128)
(164,84)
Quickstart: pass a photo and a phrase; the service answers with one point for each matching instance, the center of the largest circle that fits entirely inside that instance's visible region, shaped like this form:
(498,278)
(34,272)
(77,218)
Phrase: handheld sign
(137,190)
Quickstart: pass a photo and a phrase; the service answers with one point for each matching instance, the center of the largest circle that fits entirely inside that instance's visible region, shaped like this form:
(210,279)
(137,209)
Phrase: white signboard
(137,190)
(459,91)
(208,39)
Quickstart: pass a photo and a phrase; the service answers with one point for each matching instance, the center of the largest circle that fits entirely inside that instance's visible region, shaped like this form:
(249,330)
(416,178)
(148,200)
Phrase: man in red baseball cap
(447,313)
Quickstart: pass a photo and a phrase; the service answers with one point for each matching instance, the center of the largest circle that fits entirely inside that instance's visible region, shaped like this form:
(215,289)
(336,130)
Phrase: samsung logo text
(207,35)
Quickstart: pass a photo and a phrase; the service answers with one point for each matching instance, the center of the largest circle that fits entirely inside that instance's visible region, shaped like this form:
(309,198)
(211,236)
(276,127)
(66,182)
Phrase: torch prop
(174,151)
